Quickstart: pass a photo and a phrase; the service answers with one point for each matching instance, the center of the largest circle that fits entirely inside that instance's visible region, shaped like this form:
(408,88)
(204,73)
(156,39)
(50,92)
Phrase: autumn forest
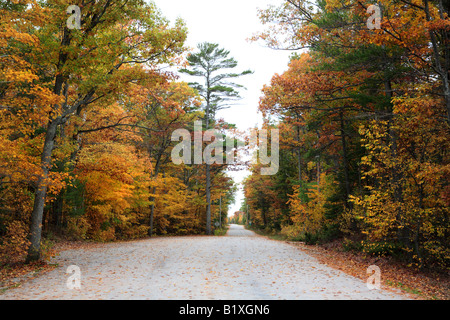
(89,102)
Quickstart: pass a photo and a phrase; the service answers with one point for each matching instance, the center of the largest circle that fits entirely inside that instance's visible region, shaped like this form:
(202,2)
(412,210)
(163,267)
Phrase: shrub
(14,244)
(382,248)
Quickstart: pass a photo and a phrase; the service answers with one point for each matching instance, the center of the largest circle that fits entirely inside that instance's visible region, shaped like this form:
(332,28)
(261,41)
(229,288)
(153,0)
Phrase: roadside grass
(271,235)
(221,231)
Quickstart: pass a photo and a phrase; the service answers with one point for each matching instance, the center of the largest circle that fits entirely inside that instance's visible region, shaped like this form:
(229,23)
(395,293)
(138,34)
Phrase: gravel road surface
(238,266)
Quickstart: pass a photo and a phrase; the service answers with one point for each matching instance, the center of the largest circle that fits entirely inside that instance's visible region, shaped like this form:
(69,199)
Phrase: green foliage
(210,64)
(382,248)
(74,198)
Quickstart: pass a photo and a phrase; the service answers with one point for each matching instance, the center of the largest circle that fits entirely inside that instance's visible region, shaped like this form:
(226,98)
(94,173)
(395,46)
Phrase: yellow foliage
(310,217)
(14,244)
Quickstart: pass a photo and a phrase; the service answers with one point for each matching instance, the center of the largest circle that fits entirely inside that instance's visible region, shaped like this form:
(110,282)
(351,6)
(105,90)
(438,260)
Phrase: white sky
(230,23)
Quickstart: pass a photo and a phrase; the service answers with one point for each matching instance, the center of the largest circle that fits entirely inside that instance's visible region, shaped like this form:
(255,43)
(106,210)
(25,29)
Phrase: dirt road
(238,266)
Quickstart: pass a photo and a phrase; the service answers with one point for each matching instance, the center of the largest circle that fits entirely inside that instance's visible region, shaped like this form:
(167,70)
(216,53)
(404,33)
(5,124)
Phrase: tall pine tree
(211,63)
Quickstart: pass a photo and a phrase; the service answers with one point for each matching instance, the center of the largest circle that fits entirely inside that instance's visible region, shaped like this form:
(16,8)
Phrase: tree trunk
(441,61)
(152,210)
(247,221)
(152,198)
(57,210)
(402,232)
(395,178)
(34,251)
(344,158)
(299,157)
(318,174)
(208,169)
(208,199)
(220,212)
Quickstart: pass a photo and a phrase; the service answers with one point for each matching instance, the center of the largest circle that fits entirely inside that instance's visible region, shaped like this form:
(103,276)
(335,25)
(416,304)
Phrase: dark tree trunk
(345,159)
(34,251)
